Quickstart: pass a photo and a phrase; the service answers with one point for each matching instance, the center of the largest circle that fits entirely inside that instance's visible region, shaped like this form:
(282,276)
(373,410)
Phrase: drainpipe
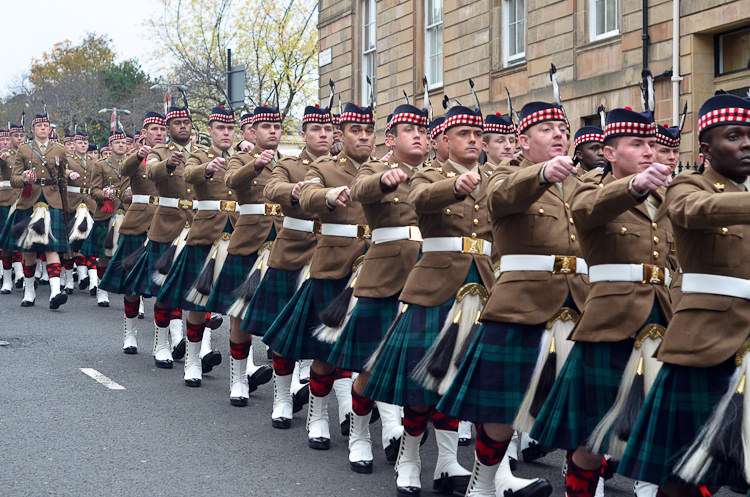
(644,34)
(676,78)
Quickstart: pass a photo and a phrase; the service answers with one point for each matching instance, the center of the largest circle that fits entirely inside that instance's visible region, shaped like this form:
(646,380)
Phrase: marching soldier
(104,153)
(498,141)
(588,149)
(37,225)
(105,188)
(449,202)
(676,441)
(290,255)
(437,145)
(8,196)
(667,148)
(626,238)
(79,193)
(345,237)
(165,164)
(144,200)
(383,191)
(12,258)
(68,143)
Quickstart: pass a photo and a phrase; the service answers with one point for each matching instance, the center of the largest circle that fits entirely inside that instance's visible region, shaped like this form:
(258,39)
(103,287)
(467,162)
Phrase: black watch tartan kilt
(113,280)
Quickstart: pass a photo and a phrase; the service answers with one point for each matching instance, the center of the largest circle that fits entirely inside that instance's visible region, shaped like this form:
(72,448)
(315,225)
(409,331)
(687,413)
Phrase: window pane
(611,15)
(735,48)
(434,11)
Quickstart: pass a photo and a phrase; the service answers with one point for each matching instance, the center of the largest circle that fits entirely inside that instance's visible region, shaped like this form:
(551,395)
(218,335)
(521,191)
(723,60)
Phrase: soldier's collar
(312,157)
(461,169)
(40,144)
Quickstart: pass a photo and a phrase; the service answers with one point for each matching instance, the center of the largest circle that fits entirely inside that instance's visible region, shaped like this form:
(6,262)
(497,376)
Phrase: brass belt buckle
(228,205)
(273,209)
(185,204)
(84,190)
(153,199)
(415,234)
(654,274)
(565,264)
(42,181)
(316,226)
(363,231)
(472,245)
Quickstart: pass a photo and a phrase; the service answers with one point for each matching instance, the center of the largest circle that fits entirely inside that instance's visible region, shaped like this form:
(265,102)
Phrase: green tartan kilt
(680,402)
(493,377)
(585,390)
(139,280)
(275,289)
(291,334)
(366,328)
(4,212)
(406,345)
(114,277)
(232,275)
(93,246)
(58,240)
(183,273)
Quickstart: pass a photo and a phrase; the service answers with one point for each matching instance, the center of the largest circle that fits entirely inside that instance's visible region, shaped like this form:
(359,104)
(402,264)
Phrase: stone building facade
(598,46)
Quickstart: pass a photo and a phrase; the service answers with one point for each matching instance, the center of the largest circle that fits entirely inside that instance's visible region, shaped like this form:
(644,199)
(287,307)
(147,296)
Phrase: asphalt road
(63,433)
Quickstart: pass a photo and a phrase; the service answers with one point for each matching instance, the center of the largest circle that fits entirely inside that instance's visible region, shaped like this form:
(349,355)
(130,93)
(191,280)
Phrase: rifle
(63,199)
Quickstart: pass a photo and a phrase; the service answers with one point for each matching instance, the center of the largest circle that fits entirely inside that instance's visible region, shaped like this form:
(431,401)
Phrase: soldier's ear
(610,153)
(523,141)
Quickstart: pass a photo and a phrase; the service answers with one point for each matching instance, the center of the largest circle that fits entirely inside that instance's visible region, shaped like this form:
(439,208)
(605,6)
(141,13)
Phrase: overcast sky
(30,29)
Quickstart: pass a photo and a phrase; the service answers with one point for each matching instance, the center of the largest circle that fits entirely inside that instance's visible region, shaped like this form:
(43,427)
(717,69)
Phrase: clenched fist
(467,183)
(338,196)
(652,178)
(559,168)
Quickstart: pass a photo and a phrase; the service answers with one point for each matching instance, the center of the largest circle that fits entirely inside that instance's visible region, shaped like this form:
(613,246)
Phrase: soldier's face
(267,135)
(441,147)
(4,143)
(70,147)
(222,135)
(669,156)
(728,150)
(410,142)
(465,143)
(180,129)
(545,141)
(358,140)
(591,155)
(41,131)
(318,138)
(119,147)
(82,146)
(106,154)
(499,147)
(16,139)
(155,134)
(630,155)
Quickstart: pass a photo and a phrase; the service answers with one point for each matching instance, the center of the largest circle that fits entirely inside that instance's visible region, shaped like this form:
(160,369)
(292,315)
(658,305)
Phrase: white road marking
(93,373)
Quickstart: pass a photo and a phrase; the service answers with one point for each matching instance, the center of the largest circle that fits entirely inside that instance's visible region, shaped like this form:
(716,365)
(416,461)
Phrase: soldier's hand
(4,155)
(28,177)
(215,165)
(74,175)
(246,146)
(109,193)
(296,190)
(336,147)
(338,196)
(143,151)
(652,178)
(467,183)
(559,168)
(264,158)
(392,177)
(175,159)
(128,192)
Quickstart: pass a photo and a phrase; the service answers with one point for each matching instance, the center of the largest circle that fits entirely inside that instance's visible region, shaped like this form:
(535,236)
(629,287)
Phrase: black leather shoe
(215,322)
(238,401)
(319,443)
(391,452)
(92,292)
(178,352)
(539,488)
(69,291)
(535,451)
(409,491)
(163,364)
(301,398)
(58,300)
(130,350)
(269,354)
(5,292)
(375,416)
(513,463)
(84,283)
(210,360)
(43,282)
(364,467)
(103,304)
(141,315)
(345,425)
(19,283)
(27,303)
(281,423)
(260,377)
(193,382)
(451,485)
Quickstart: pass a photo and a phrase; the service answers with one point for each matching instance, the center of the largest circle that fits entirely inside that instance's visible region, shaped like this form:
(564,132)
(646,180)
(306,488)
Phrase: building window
(369,38)
(433,59)
(603,19)
(733,51)
(514,31)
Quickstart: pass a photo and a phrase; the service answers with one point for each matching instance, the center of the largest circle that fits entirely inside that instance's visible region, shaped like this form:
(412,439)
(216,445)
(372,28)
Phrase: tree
(276,41)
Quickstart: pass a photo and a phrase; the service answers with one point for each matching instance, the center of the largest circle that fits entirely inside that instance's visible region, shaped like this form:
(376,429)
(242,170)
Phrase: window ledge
(601,42)
(515,67)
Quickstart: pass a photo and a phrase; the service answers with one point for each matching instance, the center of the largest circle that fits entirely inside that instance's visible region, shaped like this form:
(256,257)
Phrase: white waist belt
(6,184)
(644,273)
(145,199)
(260,209)
(345,230)
(176,203)
(557,264)
(295,224)
(71,189)
(215,205)
(462,244)
(391,234)
(716,285)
